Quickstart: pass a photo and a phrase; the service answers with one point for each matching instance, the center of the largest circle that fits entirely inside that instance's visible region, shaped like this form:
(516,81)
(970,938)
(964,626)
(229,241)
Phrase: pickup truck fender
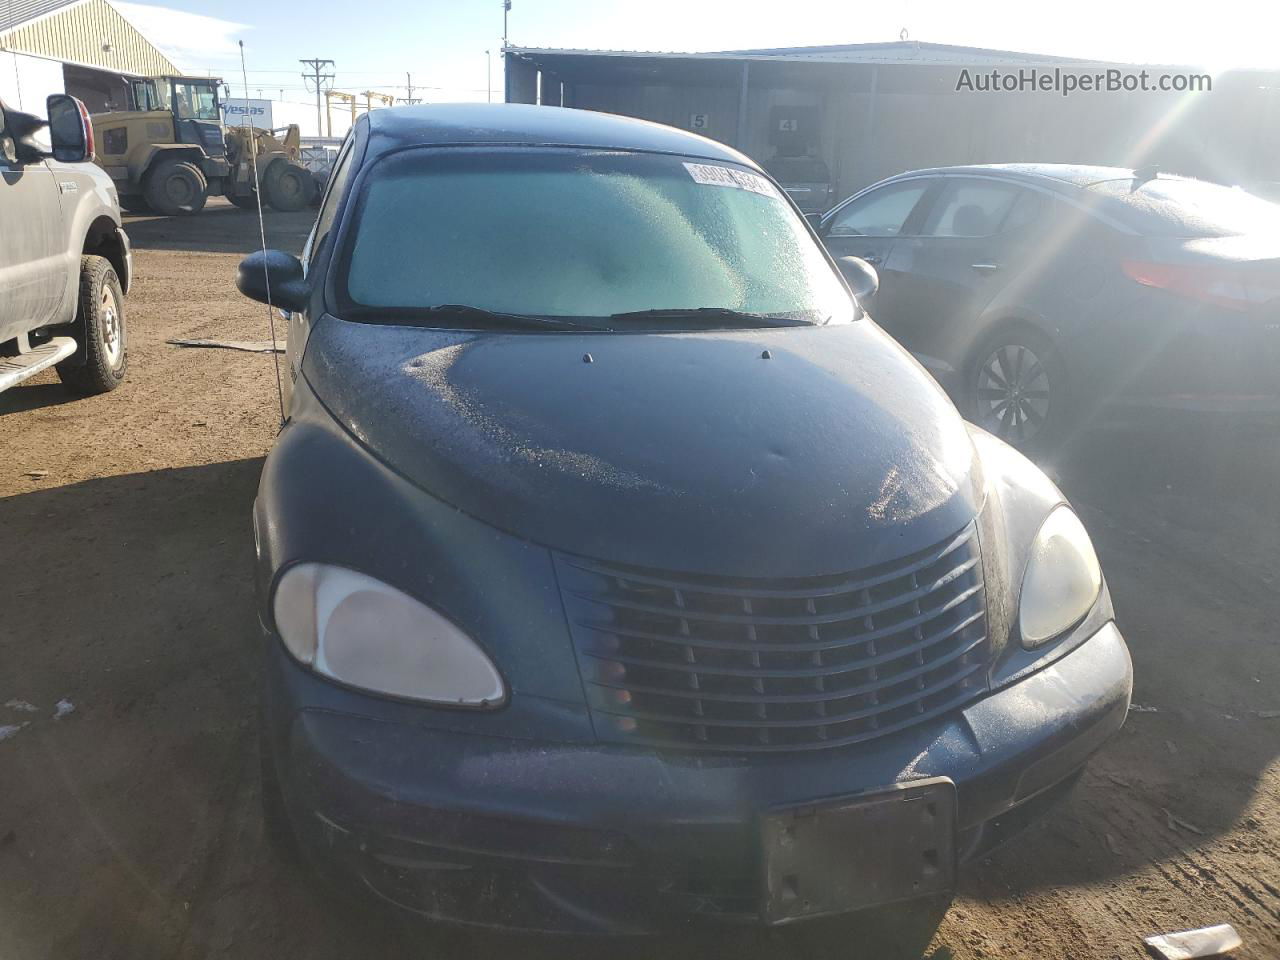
(91,219)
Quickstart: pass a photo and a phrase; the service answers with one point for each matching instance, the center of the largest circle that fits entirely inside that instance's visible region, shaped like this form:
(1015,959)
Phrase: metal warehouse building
(872,110)
(82,47)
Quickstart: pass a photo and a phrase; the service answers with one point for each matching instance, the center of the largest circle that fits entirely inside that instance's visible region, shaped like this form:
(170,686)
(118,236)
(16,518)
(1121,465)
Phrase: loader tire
(289,187)
(176,188)
(245,201)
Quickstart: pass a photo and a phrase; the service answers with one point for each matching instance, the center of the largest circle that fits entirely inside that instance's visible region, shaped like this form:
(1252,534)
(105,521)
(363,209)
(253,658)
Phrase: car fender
(1001,315)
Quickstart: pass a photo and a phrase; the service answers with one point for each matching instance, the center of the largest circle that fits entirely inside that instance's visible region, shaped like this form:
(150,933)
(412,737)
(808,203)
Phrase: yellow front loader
(172,152)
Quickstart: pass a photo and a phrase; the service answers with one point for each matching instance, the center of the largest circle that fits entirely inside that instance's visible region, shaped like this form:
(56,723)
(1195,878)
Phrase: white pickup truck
(65,263)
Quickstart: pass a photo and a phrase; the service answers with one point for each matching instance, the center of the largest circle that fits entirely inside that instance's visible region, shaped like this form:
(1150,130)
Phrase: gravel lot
(129,827)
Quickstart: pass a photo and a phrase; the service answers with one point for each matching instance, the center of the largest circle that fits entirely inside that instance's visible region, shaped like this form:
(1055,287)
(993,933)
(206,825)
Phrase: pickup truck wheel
(289,187)
(135,203)
(100,328)
(176,187)
(245,201)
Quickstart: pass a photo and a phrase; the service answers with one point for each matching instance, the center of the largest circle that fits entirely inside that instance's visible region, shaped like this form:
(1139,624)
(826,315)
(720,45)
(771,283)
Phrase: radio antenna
(251,143)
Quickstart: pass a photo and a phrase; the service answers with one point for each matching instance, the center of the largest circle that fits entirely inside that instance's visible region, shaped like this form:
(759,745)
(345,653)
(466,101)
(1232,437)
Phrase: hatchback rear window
(1188,209)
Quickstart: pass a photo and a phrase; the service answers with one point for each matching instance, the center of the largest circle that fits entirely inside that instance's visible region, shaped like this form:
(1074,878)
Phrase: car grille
(729,664)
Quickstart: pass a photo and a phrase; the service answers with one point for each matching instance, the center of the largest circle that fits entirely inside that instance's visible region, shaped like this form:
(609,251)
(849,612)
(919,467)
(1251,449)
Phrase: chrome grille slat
(872,734)
(765,593)
(733,664)
(835,616)
(883,707)
(821,696)
(827,645)
(878,660)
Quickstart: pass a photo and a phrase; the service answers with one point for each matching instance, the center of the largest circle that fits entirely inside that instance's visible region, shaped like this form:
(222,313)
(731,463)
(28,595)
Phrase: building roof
(906,51)
(523,124)
(18,12)
(90,33)
(896,52)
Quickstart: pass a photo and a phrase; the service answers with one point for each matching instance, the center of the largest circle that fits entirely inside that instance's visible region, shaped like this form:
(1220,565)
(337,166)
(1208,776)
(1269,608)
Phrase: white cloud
(194,42)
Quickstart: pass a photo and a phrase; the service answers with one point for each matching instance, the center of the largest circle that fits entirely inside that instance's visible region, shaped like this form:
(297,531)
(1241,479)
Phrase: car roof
(456,124)
(1059,175)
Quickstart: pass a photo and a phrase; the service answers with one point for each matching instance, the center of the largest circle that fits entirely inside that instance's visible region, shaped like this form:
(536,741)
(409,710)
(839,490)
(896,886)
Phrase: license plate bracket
(865,850)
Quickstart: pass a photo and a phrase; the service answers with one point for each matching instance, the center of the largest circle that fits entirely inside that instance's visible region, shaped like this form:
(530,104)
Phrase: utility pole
(318,80)
(506,8)
(488,73)
(408,82)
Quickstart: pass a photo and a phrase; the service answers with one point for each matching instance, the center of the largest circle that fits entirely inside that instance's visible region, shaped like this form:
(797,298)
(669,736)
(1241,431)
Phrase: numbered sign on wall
(698,121)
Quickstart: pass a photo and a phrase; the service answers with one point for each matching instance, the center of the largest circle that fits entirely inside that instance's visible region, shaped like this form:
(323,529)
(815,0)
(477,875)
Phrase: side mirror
(274,277)
(861,277)
(70,130)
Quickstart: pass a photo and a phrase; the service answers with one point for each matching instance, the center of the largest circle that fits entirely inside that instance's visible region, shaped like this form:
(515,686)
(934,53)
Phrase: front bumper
(523,835)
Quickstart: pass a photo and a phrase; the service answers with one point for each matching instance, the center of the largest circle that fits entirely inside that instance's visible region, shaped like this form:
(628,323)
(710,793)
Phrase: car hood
(682,451)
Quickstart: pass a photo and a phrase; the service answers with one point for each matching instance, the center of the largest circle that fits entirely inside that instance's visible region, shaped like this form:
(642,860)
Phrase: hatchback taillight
(1220,285)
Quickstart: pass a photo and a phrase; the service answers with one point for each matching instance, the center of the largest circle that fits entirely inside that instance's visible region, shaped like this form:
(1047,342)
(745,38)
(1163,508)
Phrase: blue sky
(442,44)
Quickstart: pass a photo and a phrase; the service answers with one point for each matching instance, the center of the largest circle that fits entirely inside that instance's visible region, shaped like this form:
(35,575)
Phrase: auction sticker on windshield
(729,177)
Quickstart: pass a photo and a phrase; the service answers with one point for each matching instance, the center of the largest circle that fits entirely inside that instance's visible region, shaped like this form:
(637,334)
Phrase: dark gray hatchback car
(617,571)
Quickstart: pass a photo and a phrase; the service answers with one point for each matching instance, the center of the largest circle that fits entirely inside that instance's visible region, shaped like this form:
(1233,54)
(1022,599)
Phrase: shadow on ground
(34,396)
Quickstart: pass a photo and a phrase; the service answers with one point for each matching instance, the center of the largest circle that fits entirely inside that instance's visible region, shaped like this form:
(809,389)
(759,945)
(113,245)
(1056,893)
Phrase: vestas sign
(238,110)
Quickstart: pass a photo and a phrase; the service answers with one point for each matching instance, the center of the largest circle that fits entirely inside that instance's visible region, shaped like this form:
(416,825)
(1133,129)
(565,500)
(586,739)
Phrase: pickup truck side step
(14,370)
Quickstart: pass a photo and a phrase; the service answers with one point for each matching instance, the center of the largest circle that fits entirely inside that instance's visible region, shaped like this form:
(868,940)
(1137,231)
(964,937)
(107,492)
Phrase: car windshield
(588,237)
(1189,209)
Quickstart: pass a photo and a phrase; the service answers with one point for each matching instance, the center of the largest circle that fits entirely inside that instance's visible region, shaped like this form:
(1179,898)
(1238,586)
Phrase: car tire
(1016,387)
(100,332)
(176,188)
(289,187)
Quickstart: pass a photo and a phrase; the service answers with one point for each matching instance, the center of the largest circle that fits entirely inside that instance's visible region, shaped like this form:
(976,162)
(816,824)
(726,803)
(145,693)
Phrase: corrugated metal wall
(879,120)
(91,33)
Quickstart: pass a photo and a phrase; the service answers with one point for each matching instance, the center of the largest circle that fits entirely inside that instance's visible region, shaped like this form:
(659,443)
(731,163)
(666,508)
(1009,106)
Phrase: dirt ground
(129,827)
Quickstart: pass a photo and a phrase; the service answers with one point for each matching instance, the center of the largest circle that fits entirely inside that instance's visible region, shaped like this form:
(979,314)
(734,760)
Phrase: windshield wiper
(479,315)
(713,315)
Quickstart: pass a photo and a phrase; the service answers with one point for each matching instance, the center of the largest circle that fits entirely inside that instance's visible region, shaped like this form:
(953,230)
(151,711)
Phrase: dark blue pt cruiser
(616,570)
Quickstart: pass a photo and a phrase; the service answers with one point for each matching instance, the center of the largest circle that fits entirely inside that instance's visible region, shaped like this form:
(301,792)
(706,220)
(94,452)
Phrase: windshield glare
(581,235)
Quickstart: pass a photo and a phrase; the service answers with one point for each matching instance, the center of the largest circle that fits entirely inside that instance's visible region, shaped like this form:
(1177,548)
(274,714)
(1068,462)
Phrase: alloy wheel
(1013,393)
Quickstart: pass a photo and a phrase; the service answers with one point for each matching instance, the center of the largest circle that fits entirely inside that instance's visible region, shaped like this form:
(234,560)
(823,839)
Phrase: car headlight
(1062,579)
(362,632)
